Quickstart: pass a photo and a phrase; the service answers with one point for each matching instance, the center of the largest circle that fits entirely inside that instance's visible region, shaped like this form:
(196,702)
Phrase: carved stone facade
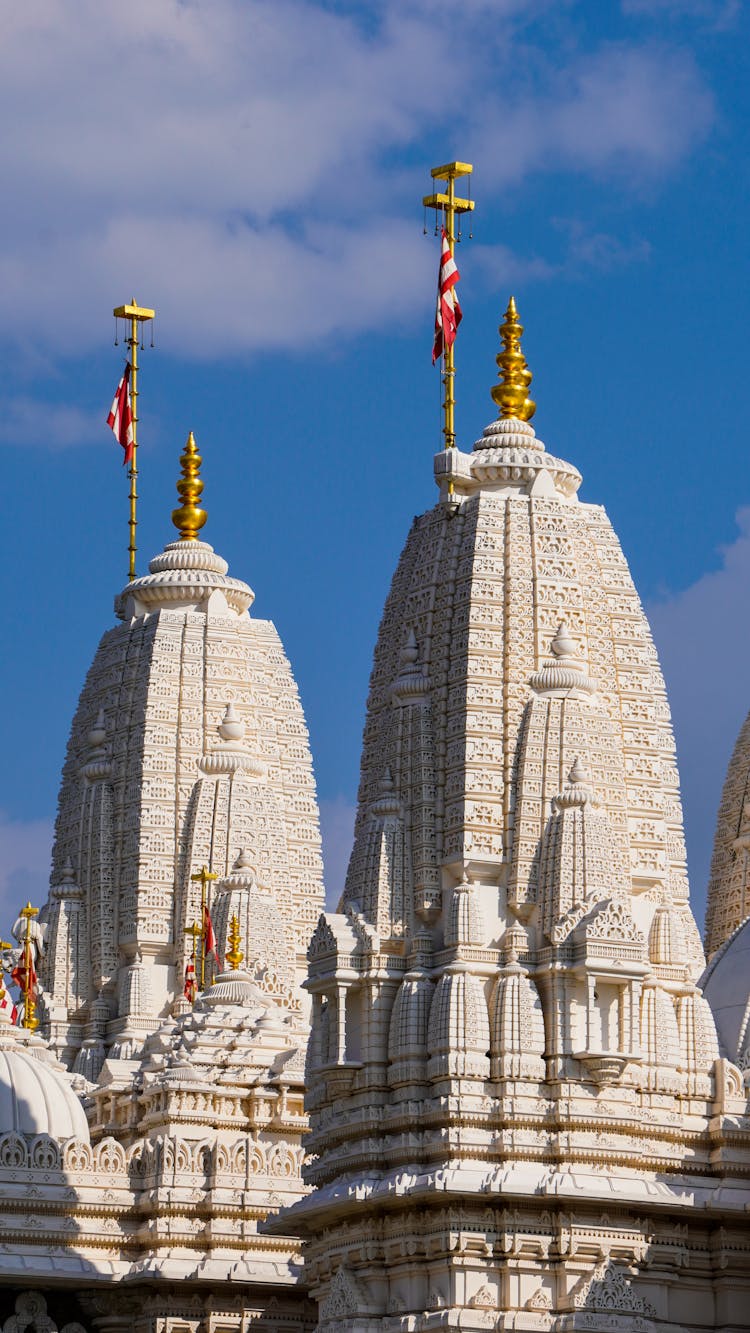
(519,1113)
(188,750)
(188,747)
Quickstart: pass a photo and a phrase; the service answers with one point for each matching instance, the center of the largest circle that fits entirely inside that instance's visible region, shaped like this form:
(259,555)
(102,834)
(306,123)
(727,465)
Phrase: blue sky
(254,171)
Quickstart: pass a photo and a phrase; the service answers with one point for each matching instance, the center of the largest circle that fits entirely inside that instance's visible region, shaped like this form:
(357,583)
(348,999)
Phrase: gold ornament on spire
(233,955)
(189,518)
(512,393)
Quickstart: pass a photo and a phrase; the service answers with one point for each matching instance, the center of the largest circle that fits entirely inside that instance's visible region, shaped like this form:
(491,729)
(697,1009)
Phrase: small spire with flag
(205,878)
(210,947)
(448,313)
(123,414)
(24,973)
(190,985)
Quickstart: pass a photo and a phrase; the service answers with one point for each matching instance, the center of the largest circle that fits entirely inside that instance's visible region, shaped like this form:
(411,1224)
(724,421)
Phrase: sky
(253,170)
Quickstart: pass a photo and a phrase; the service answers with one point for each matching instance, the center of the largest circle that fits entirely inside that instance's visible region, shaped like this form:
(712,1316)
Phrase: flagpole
(449,205)
(204,878)
(30,1019)
(136,315)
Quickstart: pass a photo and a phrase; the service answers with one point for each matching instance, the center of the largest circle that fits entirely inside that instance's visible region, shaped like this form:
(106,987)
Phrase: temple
(498,1087)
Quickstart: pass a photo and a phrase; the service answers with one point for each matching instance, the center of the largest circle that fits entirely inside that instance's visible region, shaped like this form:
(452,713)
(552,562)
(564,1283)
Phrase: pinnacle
(563,645)
(579,775)
(231,727)
(410,650)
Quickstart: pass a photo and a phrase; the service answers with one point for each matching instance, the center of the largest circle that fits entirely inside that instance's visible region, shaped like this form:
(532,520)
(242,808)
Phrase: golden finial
(512,393)
(189,518)
(233,955)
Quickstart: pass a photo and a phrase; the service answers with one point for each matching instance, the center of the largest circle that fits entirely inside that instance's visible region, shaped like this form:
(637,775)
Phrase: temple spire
(189,518)
(512,393)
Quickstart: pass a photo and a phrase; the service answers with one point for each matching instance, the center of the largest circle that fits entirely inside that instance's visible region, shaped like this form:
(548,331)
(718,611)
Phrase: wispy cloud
(633,111)
(25,851)
(31,422)
(703,639)
(254,156)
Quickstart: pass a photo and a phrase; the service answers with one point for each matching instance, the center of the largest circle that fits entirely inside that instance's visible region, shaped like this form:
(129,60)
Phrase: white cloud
(337,832)
(703,638)
(33,422)
(630,110)
(245,165)
(25,857)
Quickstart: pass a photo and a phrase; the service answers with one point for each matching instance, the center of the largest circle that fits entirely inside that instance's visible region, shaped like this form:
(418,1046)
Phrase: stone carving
(31,1317)
(539,1300)
(610,1289)
(345,1298)
(155,701)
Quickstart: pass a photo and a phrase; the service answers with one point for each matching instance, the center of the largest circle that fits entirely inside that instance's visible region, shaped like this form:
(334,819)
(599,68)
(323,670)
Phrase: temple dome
(35,1098)
(726,986)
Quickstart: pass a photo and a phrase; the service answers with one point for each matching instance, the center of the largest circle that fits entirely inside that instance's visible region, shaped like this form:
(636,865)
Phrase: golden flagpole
(449,204)
(196,932)
(204,878)
(30,1019)
(136,314)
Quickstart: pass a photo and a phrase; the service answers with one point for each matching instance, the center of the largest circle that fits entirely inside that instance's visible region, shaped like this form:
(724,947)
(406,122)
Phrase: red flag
(190,989)
(209,938)
(448,314)
(7,1003)
(18,975)
(121,416)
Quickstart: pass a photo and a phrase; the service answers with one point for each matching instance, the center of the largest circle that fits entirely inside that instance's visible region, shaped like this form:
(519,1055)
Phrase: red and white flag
(120,417)
(190,988)
(24,973)
(8,1007)
(448,313)
(209,938)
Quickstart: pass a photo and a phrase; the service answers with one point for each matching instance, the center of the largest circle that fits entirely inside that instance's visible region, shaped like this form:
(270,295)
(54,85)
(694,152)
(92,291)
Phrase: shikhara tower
(519,1115)
(188,747)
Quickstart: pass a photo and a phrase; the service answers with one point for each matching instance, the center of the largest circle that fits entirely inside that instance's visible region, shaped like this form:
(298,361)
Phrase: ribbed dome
(36,1099)
(726,986)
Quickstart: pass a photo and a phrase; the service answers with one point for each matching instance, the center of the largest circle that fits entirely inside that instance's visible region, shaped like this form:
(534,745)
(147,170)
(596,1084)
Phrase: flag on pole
(120,417)
(448,314)
(190,988)
(24,973)
(209,938)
